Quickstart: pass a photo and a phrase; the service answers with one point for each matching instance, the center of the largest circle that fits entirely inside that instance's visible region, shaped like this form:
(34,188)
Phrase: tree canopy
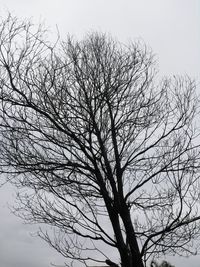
(100,151)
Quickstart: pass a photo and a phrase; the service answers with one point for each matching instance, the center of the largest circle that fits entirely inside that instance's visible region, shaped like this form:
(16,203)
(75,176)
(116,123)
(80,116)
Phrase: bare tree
(100,152)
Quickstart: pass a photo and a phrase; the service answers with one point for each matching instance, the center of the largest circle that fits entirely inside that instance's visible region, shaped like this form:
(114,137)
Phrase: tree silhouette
(99,151)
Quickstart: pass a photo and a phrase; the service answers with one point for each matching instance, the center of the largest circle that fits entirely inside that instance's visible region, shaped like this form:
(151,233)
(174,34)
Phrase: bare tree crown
(108,156)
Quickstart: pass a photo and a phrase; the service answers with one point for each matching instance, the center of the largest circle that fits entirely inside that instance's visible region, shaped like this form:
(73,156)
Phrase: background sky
(170,27)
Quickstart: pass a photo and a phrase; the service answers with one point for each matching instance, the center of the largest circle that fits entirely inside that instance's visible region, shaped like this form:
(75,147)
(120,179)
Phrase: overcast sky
(170,27)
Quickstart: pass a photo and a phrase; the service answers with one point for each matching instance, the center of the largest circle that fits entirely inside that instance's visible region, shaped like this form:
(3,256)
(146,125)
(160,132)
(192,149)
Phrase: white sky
(170,27)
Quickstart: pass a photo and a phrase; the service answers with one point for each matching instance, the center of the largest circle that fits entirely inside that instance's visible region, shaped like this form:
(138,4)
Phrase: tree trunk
(135,257)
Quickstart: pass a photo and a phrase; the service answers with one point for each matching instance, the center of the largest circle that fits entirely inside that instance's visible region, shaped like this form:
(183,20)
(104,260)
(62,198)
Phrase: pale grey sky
(170,27)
